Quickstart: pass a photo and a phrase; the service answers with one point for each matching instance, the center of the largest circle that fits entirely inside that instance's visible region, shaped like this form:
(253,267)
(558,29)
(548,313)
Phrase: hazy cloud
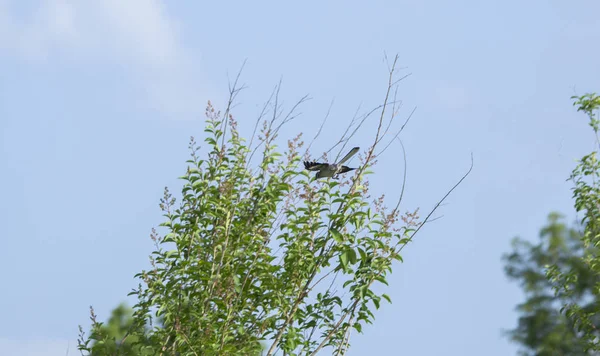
(140,35)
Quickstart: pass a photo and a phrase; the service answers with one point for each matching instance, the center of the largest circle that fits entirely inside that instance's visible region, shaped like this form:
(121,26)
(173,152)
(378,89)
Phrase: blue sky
(98,100)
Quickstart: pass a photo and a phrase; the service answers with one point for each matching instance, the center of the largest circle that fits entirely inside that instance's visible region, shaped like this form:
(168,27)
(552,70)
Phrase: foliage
(222,287)
(266,254)
(542,329)
(586,192)
(110,336)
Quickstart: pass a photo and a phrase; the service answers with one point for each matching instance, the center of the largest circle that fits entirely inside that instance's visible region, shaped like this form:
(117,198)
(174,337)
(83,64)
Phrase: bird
(331,170)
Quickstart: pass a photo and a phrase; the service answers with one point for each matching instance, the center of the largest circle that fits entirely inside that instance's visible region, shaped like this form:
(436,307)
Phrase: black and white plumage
(331,170)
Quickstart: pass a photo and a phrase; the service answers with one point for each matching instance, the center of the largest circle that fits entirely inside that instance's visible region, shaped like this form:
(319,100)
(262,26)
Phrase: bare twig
(438,204)
(233,92)
(277,113)
(321,127)
(397,133)
(260,117)
(403,178)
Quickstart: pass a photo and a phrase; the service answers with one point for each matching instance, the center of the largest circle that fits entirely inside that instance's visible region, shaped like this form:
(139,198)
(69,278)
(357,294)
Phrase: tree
(586,192)
(268,254)
(542,329)
(111,335)
(561,274)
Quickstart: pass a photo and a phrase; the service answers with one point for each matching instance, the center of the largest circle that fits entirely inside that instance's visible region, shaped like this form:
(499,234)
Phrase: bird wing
(314,166)
(324,173)
(349,155)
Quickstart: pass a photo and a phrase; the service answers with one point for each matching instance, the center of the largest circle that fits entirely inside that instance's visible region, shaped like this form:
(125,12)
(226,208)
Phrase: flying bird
(331,170)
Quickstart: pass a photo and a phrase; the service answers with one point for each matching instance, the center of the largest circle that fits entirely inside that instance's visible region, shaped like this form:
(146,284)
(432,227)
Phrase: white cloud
(138,35)
(32,36)
(38,347)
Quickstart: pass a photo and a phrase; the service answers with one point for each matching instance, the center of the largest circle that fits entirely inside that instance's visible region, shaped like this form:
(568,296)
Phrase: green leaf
(171,253)
(344,259)
(351,255)
(197,183)
(387,297)
(337,236)
(363,254)
(170,237)
(358,327)
(381,279)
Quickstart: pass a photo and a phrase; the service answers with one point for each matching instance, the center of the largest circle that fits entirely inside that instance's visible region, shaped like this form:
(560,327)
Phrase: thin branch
(401,79)
(438,204)
(394,111)
(273,130)
(337,325)
(344,347)
(233,92)
(435,219)
(187,341)
(260,116)
(345,139)
(289,117)
(403,178)
(397,133)
(322,124)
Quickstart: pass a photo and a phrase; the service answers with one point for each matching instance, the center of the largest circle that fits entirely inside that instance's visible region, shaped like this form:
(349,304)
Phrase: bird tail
(349,155)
